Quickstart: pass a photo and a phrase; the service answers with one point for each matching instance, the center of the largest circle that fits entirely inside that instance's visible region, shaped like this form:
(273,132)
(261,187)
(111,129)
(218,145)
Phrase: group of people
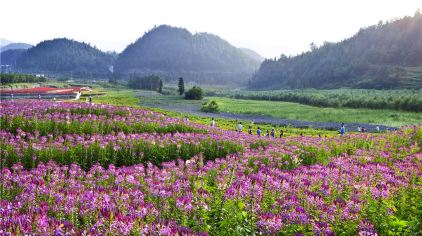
(361,129)
(258,130)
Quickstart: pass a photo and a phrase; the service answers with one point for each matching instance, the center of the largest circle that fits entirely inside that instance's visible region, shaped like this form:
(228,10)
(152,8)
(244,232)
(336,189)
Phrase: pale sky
(269,27)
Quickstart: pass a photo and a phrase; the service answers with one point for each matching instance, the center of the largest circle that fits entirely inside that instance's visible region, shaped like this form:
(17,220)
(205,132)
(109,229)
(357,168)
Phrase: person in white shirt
(239,127)
(378,128)
(212,122)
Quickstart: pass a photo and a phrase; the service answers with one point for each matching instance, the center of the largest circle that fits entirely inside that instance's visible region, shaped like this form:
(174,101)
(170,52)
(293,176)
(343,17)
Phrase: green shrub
(211,107)
(194,93)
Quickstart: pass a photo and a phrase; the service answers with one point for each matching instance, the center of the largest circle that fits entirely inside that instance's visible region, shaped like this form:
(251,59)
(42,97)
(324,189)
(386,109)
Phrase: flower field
(81,169)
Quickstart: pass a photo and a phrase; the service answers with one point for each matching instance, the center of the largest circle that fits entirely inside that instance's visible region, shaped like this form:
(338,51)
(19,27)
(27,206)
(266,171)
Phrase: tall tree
(160,88)
(181,86)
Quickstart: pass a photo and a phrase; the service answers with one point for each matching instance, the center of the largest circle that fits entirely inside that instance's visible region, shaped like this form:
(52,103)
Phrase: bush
(194,93)
(211,107)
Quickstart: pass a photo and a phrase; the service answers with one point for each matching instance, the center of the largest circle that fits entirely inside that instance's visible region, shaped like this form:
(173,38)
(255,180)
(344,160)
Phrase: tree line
(406,100)
(151,82)
(21,78)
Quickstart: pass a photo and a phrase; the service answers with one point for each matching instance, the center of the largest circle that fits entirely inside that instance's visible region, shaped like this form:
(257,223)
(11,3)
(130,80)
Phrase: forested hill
(387,55)
(65,56)
(10,57)
(174,52)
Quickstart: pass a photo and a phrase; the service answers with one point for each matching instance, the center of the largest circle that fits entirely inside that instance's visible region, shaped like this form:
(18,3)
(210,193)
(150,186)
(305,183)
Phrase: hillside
(175,52)
(64,56)
(10,57)
(15,46)
(387,55)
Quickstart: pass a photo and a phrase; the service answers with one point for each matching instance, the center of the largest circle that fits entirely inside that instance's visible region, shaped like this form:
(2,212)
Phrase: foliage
(380,56)
(20,78)
(181,86)
(407,100)
(129,152)
(160,88)
(113,80)
(210,106)
(151,82)
(18,123)
(194,93)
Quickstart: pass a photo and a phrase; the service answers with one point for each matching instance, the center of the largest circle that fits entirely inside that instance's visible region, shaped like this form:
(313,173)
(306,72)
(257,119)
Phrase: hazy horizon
(267,27)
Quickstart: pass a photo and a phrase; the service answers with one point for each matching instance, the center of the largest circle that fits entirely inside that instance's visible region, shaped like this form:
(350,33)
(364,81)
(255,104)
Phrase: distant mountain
(387,55)
(4,42)
(15,46)
(65,57)
(175,52)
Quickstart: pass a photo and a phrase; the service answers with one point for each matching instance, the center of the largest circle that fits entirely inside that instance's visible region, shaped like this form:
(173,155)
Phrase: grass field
(400,100)
(121,97)
(287,110)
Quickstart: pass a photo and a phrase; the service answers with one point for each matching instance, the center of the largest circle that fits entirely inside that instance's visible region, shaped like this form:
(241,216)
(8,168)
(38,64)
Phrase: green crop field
(288,110)
(401,100)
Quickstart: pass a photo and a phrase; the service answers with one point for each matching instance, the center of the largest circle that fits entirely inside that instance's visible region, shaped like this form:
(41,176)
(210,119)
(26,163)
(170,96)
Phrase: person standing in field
(273,133)
(39,96)
(90,99)
(258,132)
(212,122)
(239,127)
(267,134)
(342,130)
(249,130)
(281,133)
(359,129)
(378,129)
